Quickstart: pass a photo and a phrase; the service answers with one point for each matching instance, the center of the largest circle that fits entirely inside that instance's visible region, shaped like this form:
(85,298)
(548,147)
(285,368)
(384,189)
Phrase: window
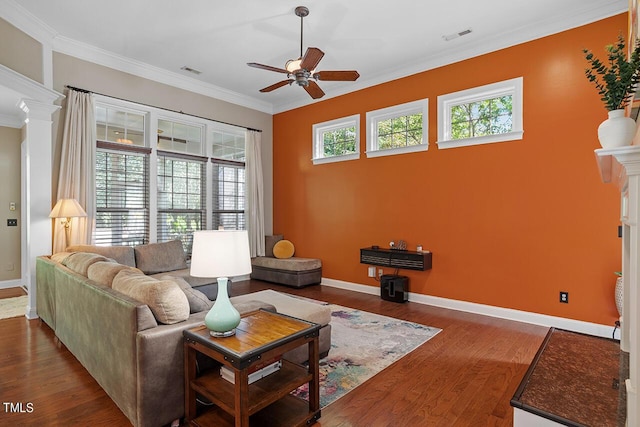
(482,115)
(336,140)
(179,137)
(181,198)
(122,202)
(398,129)
(120,126)
(162,175)
(228,187)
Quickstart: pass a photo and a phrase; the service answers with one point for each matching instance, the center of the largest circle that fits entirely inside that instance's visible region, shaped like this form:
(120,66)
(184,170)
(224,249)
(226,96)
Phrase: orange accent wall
(510,224)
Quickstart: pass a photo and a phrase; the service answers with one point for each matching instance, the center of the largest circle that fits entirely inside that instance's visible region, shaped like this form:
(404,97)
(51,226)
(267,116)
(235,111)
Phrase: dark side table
(261,336)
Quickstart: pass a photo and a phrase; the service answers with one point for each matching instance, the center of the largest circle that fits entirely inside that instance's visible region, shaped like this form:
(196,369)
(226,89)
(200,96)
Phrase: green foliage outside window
(339,142)
(399,132)
(482,118)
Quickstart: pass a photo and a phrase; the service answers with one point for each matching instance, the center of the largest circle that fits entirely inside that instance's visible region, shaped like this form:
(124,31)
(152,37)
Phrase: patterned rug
(363,344)
(13,307)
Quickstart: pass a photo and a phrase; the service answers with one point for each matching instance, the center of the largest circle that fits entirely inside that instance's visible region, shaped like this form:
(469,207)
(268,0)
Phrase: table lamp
(67,208)
(221,254)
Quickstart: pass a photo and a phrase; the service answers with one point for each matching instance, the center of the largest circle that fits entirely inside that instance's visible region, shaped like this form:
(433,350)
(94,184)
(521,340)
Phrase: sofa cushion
(160,257)
(269,242)
(103,272)
(197,300)
(164,297)
(283,249)
(81,261)
(288,264)
(121,254)
(60,256)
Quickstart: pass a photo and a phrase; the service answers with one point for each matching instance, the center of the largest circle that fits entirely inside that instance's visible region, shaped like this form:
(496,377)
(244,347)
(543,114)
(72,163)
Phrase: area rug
(363,344)
(13,307)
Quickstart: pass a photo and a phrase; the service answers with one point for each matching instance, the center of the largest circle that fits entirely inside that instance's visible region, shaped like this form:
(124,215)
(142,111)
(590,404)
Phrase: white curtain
(76,179)
(255,193)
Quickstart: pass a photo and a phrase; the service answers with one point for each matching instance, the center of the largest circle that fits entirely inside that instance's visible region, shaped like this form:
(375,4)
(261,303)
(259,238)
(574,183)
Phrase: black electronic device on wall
(408,260)
(394,288)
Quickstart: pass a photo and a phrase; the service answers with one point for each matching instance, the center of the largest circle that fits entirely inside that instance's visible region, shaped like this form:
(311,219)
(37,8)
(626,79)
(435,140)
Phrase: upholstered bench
(296,272)
(280,266)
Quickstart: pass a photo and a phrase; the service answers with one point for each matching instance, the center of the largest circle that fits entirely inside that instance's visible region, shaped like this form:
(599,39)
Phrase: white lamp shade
(67,208)
(220,253)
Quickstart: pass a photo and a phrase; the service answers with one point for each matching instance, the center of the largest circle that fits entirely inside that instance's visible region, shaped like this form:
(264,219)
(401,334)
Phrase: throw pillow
(81,261)
(197,300)
(121,254)
(283,249)
(269,242)
(160,257)
(103,272)
(166,300)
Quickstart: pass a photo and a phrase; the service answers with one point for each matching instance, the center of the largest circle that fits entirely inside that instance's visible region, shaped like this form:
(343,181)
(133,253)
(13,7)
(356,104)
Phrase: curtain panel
(255,193)
(77,162)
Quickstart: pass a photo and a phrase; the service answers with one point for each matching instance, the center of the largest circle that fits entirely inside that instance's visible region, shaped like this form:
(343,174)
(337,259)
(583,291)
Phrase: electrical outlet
(372,272)
(564,297)
(12,223)
(380,272)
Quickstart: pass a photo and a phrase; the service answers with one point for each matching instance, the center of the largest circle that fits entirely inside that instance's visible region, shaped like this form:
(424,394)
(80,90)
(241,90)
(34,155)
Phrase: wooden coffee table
(261,336)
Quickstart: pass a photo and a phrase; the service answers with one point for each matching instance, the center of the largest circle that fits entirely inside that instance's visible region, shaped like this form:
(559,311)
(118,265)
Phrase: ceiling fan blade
(277,85)
(350,76)
(267,67)
(311,58)
(314,90)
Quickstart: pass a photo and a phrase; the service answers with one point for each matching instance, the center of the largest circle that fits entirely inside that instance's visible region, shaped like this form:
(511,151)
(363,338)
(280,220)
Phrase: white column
(37,170)
(623,164)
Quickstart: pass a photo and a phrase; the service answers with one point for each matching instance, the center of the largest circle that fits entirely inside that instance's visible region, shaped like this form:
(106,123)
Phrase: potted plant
(616,80)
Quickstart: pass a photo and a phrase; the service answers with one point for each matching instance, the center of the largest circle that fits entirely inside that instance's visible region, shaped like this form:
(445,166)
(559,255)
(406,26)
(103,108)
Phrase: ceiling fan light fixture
(293,65)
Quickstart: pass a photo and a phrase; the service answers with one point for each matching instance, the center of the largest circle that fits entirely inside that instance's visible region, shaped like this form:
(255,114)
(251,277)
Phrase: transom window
(398,129)
(120,126)
(180,137)
(482,115)
(336,140)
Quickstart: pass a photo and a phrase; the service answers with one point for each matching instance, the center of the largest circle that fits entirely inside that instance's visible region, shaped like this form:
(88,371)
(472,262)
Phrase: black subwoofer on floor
(394,288)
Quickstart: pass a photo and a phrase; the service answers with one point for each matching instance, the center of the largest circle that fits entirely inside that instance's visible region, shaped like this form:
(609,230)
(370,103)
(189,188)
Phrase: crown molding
(26,22)
(103,57)
(26,87)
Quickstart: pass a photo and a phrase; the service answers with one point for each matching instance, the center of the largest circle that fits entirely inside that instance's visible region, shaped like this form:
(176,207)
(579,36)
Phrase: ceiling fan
(302,71)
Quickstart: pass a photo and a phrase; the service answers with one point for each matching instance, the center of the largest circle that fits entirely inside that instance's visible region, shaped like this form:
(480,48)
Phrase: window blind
(181,197)
(229,195)
(122,197)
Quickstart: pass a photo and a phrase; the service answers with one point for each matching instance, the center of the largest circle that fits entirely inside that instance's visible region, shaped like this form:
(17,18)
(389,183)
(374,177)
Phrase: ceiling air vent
(191,70)
(456,35)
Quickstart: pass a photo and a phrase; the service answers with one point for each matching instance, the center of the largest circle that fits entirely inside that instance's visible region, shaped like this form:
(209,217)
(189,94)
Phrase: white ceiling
(382,40)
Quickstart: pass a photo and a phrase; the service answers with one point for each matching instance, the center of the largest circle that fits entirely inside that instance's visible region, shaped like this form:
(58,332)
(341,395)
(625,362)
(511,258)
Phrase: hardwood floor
(11,292)
(465,376)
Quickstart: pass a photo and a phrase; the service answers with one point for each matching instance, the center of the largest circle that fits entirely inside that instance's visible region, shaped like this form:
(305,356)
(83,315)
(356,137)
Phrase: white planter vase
(619,295)
(617,130)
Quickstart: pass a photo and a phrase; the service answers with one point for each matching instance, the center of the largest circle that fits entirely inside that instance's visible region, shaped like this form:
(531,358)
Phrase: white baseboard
(489,310)
(6,284)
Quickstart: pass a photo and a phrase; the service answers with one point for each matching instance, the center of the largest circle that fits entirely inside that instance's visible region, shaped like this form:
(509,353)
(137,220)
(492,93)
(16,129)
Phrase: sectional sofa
(125,327)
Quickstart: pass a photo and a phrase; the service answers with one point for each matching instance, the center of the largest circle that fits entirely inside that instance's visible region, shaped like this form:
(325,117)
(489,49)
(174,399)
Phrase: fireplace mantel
(622,167)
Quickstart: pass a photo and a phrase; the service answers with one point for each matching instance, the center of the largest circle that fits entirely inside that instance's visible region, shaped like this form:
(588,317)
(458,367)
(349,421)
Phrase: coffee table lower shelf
(289,411)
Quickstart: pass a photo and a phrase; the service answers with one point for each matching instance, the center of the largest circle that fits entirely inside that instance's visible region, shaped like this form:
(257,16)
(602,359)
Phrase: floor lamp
(67,209)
